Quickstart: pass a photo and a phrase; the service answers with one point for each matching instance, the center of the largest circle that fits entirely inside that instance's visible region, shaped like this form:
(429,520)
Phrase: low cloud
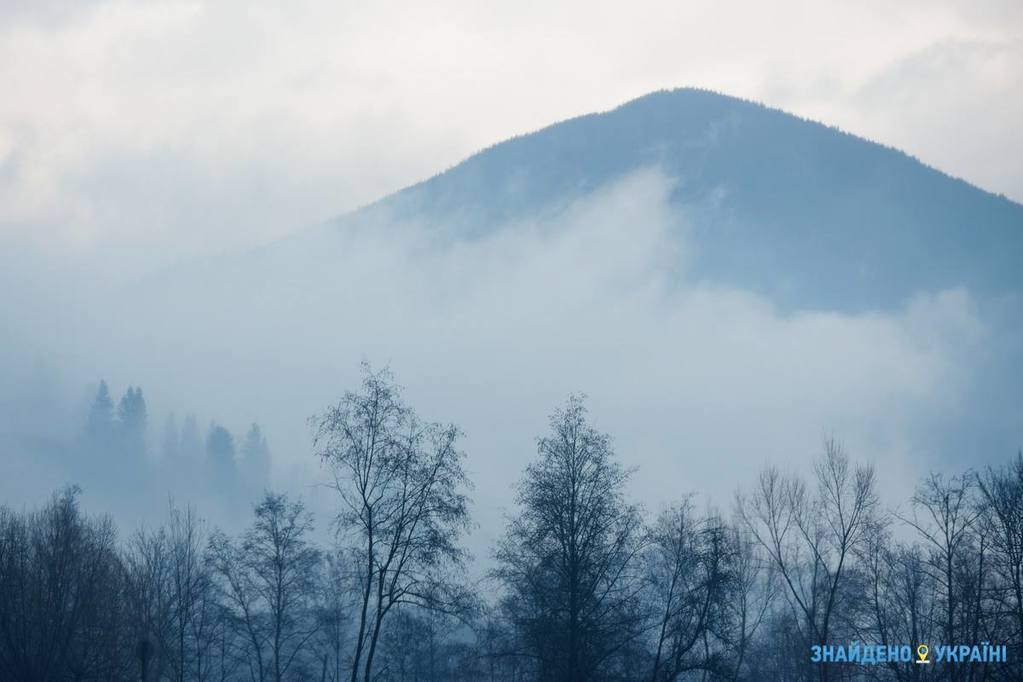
(700,384)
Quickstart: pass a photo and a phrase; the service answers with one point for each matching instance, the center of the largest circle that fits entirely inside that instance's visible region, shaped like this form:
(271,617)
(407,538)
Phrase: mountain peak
(768,194)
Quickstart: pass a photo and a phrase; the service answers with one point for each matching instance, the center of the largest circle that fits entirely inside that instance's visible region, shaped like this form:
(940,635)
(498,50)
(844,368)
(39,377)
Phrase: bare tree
(898,595)
(190,586)
(689,569)
(240,604)
(1002,493)
(61,611)
(332,614)
(569,559)
(401,485)
(270,578)
(811,538)
(147,566)
(944,516)
(284,568)
(171,596)
(754,591)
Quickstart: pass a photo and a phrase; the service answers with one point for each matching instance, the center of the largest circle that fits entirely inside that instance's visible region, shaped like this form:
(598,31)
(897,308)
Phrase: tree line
(585,584)
(113,453)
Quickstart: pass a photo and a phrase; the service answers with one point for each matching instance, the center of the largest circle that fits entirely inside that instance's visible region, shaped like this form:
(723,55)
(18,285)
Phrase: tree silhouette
(270,578)
(131,415)
(400,482)
(569,559)
(100,423)
(220,455)
(255,458)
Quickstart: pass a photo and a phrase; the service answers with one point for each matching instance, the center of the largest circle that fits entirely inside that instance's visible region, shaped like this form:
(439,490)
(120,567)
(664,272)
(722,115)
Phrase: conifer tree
(256,458)
(220,451)
(131,414)
(100,424)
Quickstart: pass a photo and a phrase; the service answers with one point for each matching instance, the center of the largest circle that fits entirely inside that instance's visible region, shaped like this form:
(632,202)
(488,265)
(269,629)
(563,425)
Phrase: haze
(146,150)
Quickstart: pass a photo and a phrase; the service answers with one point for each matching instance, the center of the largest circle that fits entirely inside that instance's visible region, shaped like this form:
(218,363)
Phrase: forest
(584,584)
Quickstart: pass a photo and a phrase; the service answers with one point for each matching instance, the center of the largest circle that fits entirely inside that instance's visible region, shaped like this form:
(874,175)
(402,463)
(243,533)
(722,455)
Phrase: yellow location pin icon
(921,653)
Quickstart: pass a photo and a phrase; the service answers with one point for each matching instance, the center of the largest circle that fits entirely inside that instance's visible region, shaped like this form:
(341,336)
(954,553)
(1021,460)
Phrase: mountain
(803,213)
(826,284)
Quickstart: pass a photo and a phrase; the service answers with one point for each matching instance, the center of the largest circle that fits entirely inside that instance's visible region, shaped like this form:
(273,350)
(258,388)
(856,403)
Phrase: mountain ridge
(780,204)
(672,92)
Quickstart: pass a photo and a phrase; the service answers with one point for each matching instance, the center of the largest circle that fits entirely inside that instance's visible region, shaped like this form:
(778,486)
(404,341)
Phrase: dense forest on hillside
(586,583)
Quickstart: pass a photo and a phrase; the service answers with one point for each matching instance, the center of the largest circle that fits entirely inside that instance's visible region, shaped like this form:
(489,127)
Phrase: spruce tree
(131,413)
(100,425)
(256,458)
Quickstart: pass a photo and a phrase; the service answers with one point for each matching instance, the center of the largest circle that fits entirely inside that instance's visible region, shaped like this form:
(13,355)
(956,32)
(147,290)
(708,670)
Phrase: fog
(699,384)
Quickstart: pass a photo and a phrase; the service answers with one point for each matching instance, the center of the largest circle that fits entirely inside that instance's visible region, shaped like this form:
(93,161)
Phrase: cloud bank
(699,384)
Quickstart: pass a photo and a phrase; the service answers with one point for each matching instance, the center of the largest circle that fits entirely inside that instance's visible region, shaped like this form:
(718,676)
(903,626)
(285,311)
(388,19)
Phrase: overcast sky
(154,131)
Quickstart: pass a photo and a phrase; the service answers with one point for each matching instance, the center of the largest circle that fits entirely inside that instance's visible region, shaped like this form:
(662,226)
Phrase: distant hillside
(804,213)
